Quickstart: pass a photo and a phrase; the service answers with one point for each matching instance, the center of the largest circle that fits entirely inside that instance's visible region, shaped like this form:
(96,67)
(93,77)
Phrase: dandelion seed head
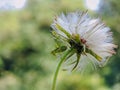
(89,37)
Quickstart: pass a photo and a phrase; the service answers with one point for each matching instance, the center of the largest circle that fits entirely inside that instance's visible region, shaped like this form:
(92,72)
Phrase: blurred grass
(25,45)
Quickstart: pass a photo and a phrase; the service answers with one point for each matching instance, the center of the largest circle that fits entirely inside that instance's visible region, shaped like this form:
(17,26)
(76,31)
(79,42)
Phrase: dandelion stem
(58,68)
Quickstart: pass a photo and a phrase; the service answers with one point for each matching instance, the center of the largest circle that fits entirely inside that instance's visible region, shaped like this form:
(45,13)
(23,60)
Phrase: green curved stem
(58,68)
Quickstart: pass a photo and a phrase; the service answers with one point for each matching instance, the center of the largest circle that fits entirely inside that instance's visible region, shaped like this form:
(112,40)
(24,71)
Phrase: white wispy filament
(86,36)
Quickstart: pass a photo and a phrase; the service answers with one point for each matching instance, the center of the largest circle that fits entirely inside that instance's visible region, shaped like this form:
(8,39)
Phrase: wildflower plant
(79,36)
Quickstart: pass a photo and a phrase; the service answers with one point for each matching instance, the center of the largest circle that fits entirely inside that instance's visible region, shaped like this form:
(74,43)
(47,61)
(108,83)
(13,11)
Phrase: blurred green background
(26,42)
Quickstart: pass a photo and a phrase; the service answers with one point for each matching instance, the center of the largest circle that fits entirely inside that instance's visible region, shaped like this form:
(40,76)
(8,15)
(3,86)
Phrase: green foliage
(26,42)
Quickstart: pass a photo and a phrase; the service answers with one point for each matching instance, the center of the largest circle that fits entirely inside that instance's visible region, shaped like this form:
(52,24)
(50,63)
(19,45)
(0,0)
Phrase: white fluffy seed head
(94,32)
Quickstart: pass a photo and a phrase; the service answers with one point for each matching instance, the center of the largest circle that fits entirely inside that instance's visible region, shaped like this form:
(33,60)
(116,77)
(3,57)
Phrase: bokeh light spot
(92,4)
(12,4)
